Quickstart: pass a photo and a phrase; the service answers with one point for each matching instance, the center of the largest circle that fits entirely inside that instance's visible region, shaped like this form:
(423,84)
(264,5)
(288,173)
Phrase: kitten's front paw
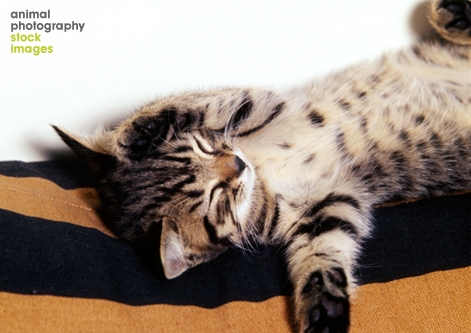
(325,304)
(144,134)
(452,18)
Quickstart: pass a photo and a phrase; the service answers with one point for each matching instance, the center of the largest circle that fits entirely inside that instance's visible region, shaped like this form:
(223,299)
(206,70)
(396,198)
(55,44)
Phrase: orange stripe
(49,314)
(41,198)
(433,303)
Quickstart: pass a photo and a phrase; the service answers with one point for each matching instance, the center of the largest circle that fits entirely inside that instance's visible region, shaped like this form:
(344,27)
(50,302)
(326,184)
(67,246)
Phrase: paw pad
(331,314)
(461,11)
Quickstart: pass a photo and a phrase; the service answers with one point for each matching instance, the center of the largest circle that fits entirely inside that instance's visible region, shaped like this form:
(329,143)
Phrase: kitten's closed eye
(204,147)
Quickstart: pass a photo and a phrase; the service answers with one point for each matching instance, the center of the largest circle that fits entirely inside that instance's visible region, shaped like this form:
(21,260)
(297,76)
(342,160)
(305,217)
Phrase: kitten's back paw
(452,19)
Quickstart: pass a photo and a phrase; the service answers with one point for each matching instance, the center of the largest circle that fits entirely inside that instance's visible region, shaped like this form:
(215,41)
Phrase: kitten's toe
(327,303)
(452,19)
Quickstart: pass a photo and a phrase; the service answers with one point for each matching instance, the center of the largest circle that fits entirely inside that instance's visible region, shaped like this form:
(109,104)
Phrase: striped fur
(299,168)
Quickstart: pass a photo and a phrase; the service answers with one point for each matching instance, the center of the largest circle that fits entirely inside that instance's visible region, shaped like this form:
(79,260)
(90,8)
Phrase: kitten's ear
(171,251)
(97,161)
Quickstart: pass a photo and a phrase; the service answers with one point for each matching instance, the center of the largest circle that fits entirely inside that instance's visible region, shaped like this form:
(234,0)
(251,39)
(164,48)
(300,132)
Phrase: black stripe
(218,186)
(309,159)
(233,219)
(322,224)
(243,112)
(330,200)
(275,219)
(146,210)
(201,115)
(42,257)
(363,123)
(132,186)
(404,179)
(261,220)
(284,145)
(195,194)
(275,113)
(68,174)
(183,149)
(330,223)
(418,53)
(316,118)
(184,160)
(340,141)
(189,180)
(196,205)
(211,231)
(175,188)
(405,138)
(148,168)
(222,210)
(344,105)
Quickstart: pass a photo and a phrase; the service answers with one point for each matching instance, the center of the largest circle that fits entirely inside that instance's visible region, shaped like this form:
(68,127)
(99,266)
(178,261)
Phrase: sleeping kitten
(299,168)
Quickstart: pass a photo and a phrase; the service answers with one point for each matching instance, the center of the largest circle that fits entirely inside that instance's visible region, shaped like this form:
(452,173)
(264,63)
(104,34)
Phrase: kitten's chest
(294,161)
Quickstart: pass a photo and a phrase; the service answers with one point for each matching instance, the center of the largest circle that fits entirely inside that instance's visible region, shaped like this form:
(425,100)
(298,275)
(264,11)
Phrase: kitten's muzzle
(231,167)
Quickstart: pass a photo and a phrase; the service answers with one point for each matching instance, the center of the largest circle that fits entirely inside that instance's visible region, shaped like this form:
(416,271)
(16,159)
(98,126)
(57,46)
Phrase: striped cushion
(62,270)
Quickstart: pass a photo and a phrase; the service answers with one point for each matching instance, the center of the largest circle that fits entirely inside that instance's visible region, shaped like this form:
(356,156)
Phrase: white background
(132,51)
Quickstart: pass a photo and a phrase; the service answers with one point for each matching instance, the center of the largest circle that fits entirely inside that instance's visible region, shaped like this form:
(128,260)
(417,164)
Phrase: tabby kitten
(299,168)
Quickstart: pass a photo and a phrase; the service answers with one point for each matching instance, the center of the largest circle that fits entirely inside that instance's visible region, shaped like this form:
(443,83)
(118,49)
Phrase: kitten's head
(198,186)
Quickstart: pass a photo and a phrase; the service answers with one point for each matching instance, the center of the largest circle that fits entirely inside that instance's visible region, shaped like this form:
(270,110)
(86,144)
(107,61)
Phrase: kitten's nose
(231,167)
(240,165)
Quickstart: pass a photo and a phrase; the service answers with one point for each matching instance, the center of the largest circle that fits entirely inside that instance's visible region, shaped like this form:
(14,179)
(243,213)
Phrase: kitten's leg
(240,112)
(322,277)
(452,19)
(321,254)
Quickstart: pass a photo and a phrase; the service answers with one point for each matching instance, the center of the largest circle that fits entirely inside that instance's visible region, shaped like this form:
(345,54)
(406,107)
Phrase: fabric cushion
(62,270)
